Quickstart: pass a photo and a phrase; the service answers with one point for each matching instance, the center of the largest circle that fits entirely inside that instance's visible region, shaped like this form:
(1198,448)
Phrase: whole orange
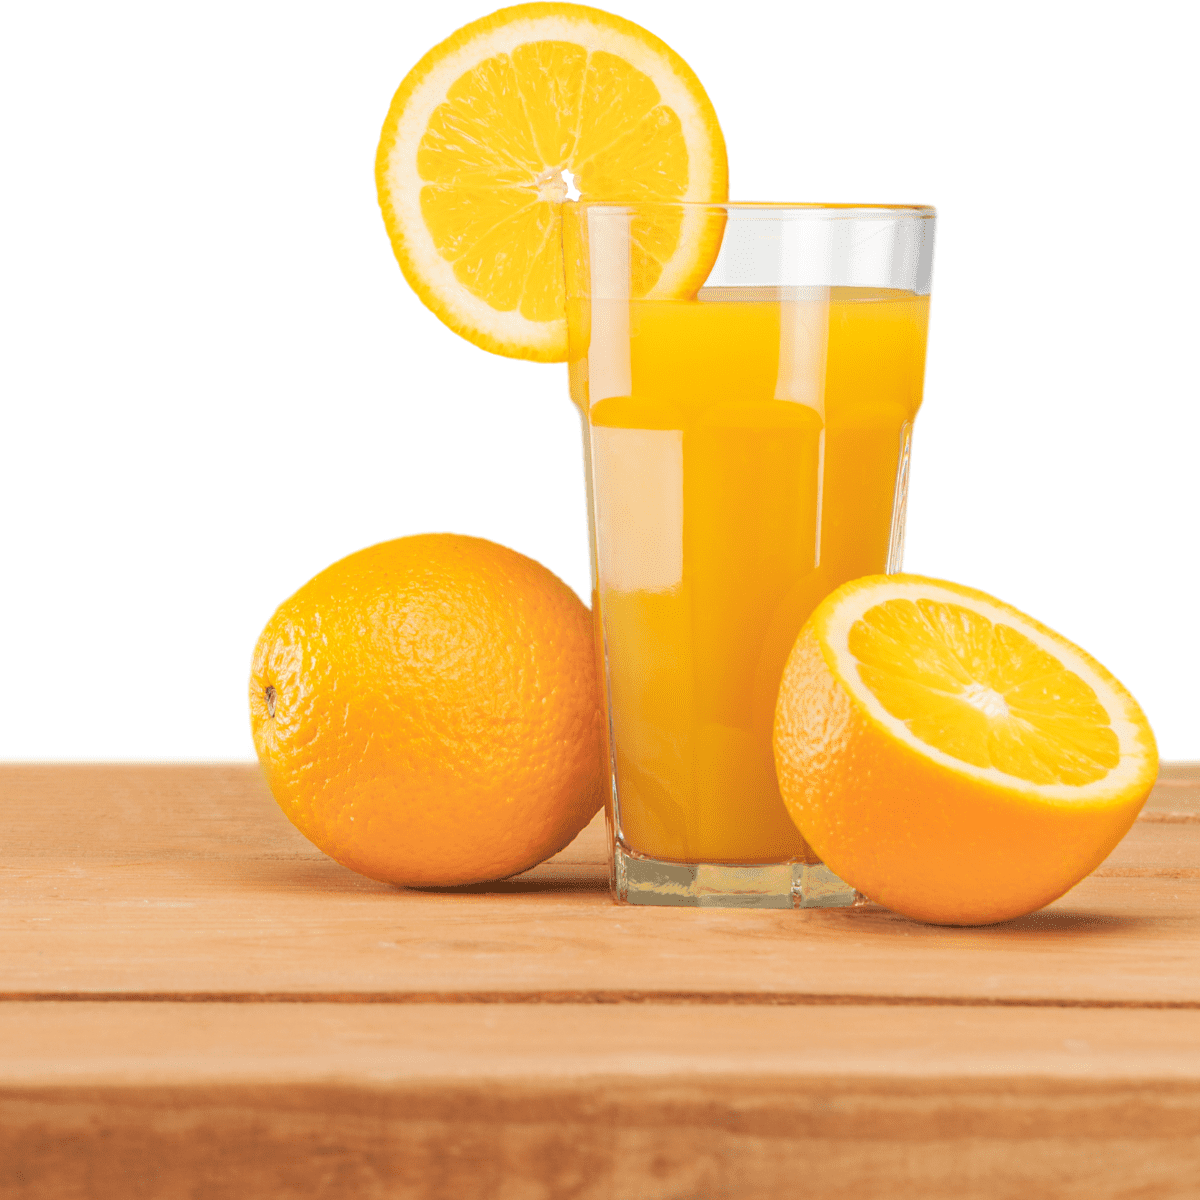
(427,711)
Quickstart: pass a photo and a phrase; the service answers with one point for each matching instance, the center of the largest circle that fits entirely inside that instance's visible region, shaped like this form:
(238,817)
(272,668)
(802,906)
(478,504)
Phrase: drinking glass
(748,376)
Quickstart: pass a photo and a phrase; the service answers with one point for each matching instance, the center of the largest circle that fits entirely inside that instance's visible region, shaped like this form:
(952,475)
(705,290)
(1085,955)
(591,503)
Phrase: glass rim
(769,207)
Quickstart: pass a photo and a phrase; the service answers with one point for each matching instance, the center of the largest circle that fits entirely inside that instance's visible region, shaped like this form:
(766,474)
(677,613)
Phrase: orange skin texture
(437,715)
(910,834)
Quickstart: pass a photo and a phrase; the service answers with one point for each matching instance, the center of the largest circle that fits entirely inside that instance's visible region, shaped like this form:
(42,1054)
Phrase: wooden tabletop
(195,1002)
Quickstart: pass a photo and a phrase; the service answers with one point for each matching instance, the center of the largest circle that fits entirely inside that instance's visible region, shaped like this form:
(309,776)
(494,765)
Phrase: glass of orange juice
(748,376)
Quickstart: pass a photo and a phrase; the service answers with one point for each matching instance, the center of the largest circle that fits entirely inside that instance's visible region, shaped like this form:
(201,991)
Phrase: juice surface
(744,453)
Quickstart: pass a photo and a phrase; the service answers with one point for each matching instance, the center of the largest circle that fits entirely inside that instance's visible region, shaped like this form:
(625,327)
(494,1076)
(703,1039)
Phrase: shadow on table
(520,886)
(1045,923)
(321,874)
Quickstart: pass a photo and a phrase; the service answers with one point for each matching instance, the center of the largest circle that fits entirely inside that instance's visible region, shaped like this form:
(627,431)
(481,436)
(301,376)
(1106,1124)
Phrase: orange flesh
(492,155)
(983,693)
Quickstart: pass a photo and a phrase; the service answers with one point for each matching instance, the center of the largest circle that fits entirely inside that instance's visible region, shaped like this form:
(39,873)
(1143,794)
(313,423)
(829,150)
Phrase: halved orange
(489,131)
(949,756)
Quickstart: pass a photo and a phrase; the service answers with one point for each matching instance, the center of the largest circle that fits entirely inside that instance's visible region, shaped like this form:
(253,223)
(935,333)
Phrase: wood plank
(165,900)
(1176,795)
(122,812)
(217,928)
(649,1102)
(1057,1055)
(1163,849)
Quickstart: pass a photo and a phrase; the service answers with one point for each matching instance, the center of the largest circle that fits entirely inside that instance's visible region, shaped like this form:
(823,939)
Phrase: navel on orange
(427,711)
(488,132)
(949,756)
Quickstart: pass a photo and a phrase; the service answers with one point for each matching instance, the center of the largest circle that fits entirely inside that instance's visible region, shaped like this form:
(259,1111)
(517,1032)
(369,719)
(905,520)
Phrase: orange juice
(748,453)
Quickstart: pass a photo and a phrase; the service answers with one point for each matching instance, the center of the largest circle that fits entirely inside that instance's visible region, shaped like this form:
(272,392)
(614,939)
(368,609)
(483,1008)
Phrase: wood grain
(193,883)
(151,930)
(194,1002)
(617,1102)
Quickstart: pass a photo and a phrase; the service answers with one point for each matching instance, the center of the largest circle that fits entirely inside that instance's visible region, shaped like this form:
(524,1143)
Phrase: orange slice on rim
(497,125)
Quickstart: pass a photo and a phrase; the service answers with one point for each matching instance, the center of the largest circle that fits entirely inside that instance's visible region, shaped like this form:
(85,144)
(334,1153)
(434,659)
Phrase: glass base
(637,879)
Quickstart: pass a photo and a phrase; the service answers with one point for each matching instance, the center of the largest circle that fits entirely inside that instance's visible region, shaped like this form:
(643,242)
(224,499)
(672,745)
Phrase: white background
(215,381)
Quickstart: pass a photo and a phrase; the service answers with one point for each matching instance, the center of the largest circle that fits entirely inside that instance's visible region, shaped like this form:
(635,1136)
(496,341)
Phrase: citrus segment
(487,135)
(983,692)
(950,757)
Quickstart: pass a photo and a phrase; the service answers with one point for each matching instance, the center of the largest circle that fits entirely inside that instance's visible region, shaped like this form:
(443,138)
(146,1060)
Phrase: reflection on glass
(747,453)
